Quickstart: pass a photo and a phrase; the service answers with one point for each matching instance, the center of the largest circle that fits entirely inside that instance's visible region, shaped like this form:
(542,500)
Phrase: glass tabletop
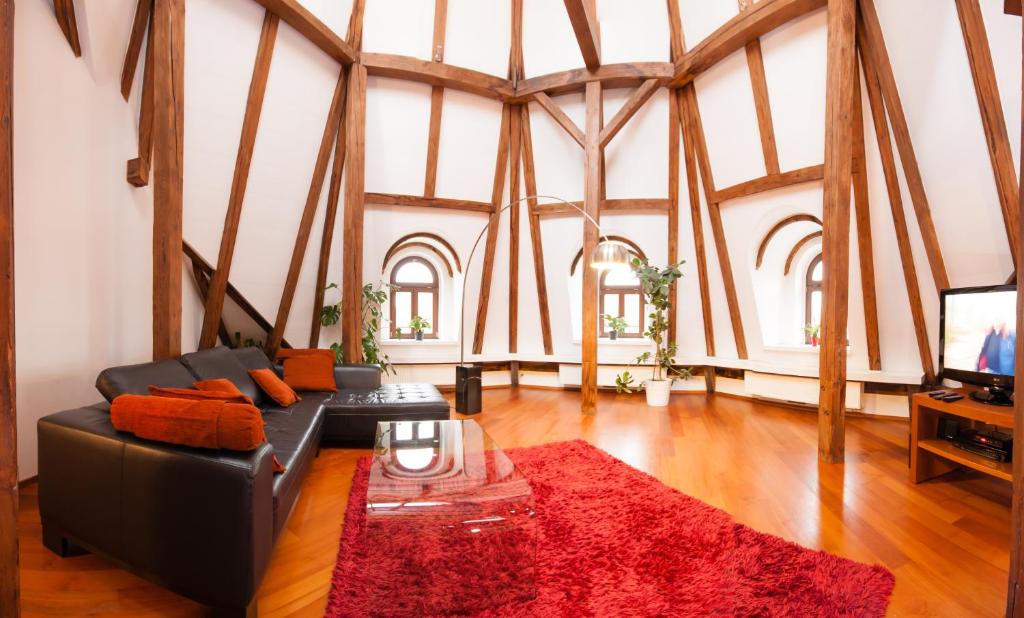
(448,513)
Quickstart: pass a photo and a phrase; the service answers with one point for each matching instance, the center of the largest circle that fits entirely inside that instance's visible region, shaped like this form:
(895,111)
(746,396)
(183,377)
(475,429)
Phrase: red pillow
(310,373)
(197,395)
(274,387)
(208,423)
(286,353)
(218,384)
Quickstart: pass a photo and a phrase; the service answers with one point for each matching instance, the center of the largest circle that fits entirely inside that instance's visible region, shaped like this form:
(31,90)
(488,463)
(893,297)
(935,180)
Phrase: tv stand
(994,396)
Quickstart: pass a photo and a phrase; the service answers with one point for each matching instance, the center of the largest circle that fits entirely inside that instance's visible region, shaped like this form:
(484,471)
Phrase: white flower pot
(658,392)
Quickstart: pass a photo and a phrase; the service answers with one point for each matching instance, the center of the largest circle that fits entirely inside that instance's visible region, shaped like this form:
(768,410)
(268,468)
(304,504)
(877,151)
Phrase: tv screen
(979,334)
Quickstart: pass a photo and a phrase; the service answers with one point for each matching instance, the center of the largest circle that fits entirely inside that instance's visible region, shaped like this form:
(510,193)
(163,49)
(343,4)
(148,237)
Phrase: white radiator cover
(796,389)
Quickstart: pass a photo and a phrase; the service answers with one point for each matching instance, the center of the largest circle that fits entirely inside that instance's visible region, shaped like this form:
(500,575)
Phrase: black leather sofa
(201,522)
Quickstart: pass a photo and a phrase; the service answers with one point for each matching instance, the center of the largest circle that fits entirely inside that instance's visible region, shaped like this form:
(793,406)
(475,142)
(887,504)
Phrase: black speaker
(949,427)
(468,385)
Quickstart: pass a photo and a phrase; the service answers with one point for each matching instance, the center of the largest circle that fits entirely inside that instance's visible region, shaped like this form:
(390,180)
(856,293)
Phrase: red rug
(613,541)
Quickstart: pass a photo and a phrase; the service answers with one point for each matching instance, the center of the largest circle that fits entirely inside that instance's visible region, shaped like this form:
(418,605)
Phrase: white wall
(83,234)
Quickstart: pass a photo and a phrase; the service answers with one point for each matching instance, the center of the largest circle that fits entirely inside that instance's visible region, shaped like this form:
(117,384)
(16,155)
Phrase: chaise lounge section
(201,522)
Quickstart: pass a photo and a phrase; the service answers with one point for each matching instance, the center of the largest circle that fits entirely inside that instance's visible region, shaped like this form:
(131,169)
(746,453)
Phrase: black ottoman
(351,415)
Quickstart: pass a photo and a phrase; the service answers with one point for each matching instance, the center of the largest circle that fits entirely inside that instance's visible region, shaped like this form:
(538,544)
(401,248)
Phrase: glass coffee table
(447,515)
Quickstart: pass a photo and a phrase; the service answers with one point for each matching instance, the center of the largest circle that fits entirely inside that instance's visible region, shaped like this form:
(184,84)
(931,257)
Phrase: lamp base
(468,386)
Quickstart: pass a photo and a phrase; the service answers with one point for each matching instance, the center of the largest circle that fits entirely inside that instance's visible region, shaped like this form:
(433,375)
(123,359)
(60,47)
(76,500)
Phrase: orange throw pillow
(310,373)
(273,386)
(286,353)
(208,423)
(199,395)
(218,384)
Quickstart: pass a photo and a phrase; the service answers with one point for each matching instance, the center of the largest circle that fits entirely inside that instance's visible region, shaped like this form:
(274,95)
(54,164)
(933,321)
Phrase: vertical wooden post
(839,93)
(864,245)
(592,206)
(673,205)
(536,242)
(352,262)
(168,34)
(515,156)
(1014,597)
(9,605)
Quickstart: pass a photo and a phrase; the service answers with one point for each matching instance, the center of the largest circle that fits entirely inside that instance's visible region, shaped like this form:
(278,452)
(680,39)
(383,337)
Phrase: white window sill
(401,343)
(627,341)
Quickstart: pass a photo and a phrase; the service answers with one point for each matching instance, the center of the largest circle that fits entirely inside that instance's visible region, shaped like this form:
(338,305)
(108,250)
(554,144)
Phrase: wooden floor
(946,540)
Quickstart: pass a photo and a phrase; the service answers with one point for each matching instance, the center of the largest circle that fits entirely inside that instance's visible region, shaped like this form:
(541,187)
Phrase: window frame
(621,291)
(414,290)
(811,286)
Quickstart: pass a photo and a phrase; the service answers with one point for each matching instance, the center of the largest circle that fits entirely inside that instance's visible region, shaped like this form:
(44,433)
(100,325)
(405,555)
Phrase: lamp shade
(610,255)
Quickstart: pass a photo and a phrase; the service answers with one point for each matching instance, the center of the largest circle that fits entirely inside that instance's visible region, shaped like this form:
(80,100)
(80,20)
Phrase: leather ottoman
(351,415)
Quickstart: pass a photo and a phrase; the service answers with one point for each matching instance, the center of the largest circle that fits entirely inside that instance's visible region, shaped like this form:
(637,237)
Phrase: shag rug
(613,541)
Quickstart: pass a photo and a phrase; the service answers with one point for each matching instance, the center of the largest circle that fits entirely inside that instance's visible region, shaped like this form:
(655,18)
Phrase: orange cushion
(273,386)
(199,423)
(218,384)
(197,395)
(310,373)
(286,353)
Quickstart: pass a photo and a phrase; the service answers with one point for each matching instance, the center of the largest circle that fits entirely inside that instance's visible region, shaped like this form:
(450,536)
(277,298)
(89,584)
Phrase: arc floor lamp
(608,255)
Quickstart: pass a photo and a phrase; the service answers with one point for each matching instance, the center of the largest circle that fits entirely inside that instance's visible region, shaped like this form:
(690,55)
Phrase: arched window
(812,294)
(414,293)
(620,295)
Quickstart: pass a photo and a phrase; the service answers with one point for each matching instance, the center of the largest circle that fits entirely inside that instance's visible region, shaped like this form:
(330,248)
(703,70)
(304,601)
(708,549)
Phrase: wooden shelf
(931,456)
(943,448)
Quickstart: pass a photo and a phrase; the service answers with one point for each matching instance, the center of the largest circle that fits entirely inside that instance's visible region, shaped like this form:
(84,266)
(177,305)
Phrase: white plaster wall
(83,234)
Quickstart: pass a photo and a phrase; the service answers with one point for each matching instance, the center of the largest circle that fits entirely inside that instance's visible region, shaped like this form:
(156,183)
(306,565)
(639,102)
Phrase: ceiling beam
(583,16)
(437,74)
(131,55)
(560,117)
(623,75)
(733,35)
(309,26)
(631,107)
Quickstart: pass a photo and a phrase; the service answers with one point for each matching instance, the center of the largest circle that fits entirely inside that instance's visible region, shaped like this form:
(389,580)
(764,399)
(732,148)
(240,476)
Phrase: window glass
(816,271)
(414,272)
(632,309)
(403,308)
(425,306)
(621,278)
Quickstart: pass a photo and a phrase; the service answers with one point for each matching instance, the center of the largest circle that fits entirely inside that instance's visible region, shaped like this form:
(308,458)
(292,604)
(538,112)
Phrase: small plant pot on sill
(419,335)
(613,335)
(658,392)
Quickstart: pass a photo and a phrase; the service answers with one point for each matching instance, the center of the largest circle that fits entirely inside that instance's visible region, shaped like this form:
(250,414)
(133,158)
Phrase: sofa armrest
(197,521)
(363,376)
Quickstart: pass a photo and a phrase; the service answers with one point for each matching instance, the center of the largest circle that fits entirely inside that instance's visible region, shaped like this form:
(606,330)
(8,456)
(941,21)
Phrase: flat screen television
(977,339)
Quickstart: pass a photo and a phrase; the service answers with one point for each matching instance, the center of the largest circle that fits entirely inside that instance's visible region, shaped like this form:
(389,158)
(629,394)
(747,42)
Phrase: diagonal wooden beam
(143,10)
(990,104)
(203,287)
(770,183)
(330,217)
(715,218)
(415,201)
(696,222)
(899,217)
(355,210)
(500,169)
(65,11)
(631,107)
(293,13)
(560,117)
(240,180)
(1012,7)
(168,168)
(137,169)
(865,247)
(530,182)
(762,105)
(583,17)
(308,213)
(869,36)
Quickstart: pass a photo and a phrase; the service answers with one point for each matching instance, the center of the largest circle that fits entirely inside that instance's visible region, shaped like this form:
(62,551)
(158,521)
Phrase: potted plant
(418,325)
(371,316)
(616,324)
(655,284)
(813,331)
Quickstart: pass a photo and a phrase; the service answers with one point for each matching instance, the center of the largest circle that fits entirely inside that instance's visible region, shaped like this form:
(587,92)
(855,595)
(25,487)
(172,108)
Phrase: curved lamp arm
(469,261)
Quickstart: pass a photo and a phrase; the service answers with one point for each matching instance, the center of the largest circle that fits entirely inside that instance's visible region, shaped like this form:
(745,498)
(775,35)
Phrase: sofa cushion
(294,432)
(221,362)
(252,358)
(136,379)
(351,415)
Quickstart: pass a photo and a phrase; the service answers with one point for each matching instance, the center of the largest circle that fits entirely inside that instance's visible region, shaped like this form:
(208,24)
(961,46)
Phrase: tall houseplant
(655,284)
(373,297)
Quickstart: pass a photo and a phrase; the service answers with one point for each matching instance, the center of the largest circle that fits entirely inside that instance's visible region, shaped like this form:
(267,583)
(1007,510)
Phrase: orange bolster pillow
(218,384)
(199,395)
(203,424)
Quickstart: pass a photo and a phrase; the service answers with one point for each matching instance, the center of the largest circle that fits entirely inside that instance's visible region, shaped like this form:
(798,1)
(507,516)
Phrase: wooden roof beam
(309,26)
(583,16)
(623,75)
(438,74)
(631,107)
(733,35)
(65,11)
